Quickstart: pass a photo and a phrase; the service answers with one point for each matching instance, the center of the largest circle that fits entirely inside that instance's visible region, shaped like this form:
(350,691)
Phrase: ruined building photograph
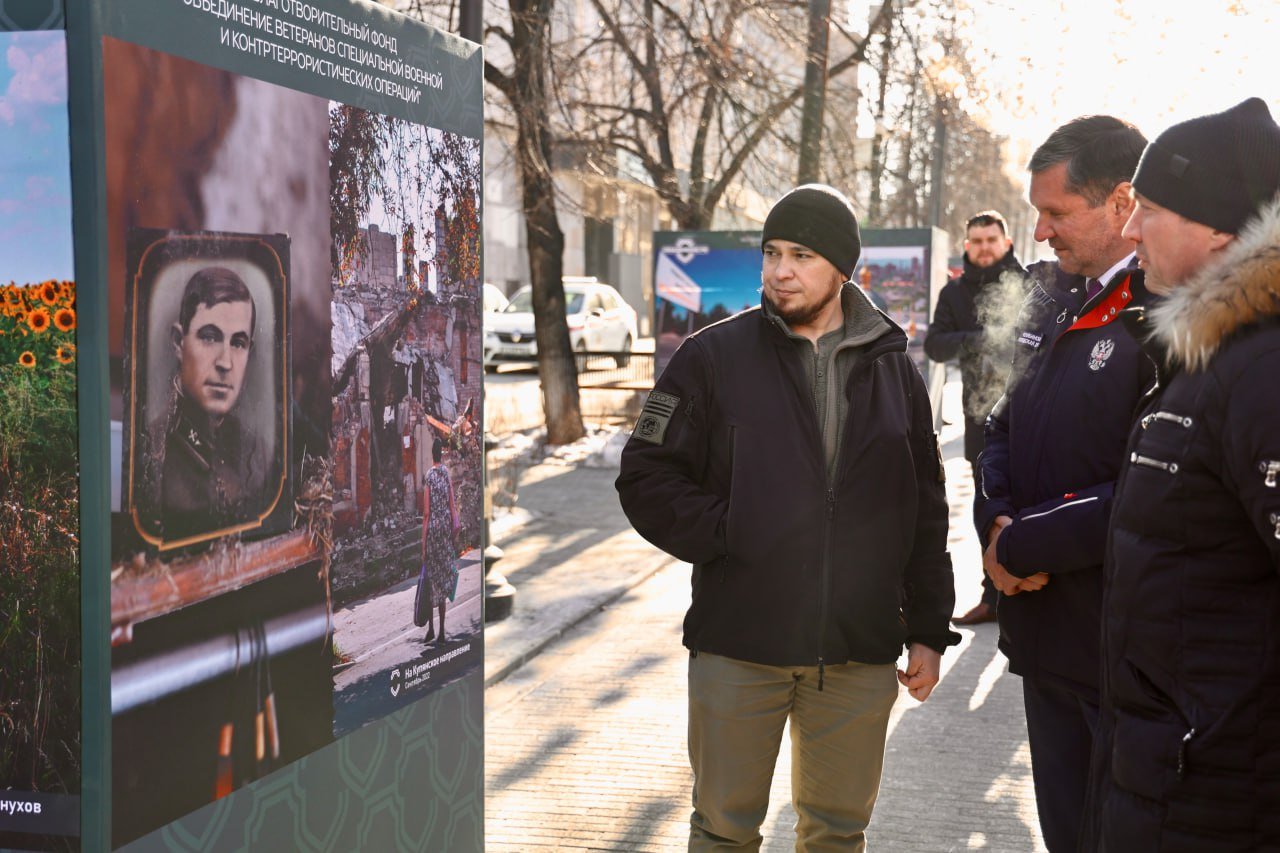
(406,382)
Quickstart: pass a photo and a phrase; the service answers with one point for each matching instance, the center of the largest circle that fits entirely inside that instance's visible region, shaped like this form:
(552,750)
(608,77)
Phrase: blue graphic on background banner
(701,277)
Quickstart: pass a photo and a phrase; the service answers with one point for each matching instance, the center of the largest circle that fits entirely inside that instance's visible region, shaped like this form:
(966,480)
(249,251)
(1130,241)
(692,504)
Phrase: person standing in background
(957,332)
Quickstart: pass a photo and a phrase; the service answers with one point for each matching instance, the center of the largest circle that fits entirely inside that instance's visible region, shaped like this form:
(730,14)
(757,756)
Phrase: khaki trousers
(736,715)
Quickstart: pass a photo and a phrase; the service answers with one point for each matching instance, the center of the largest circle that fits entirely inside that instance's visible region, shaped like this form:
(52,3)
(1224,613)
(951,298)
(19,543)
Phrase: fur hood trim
(1192,322)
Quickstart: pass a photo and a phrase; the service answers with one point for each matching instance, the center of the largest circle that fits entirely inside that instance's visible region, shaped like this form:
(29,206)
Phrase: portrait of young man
(208,398)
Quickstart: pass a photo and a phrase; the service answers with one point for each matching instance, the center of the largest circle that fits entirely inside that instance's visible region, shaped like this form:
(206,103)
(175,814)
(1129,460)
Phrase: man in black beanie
(1187,755)
(788,452)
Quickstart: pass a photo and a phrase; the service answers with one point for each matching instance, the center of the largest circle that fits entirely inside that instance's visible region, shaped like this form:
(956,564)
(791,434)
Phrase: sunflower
(64,319)
(49,293)
(38,320)
(65,354)
(27,359)
(13,297)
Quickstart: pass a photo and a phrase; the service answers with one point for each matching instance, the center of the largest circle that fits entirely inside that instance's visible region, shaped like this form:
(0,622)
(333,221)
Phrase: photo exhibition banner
(701,277)
(40,696)
(292,202)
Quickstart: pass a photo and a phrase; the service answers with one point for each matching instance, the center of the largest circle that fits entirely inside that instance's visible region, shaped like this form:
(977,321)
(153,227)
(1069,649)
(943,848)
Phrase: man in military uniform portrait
(209,471)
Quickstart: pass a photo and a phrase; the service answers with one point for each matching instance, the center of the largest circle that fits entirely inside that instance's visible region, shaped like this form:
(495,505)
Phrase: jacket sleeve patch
(655,417)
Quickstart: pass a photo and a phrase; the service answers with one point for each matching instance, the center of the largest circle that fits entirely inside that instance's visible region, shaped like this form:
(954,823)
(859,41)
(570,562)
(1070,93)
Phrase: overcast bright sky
(1151,62)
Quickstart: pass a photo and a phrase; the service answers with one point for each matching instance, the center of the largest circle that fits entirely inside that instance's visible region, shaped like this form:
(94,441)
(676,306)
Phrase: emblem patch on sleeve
(655,417)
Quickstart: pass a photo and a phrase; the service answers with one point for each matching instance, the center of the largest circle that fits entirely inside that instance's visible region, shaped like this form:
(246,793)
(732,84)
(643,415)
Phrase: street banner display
(40,695)
(292,256)
(897,280)
(701,277)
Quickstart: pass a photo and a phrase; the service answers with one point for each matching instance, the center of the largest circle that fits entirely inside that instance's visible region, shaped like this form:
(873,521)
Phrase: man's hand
(924,668)
(993,532)
(1033,583)
(1005,582)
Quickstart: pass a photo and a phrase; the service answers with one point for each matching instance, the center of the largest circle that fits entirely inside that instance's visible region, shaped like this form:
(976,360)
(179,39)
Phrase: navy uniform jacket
(1054,447)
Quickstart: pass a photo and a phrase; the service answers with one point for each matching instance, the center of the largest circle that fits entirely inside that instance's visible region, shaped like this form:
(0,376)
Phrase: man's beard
(986,261)
(803,315)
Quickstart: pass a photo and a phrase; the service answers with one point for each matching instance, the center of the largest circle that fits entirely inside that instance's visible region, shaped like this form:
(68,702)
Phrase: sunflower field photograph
(39,545)
(40,735)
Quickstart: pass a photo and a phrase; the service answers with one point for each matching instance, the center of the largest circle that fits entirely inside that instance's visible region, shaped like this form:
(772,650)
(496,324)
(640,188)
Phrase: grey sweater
(828,365)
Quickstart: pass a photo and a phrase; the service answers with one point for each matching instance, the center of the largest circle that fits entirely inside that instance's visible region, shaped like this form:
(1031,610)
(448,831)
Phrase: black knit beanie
(1216,169)
(821,218)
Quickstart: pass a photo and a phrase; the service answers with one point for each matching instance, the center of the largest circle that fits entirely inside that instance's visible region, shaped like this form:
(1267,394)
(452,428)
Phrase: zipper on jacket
(1182,752)
(728,513)
(1269,468)
(1148,462)
(1169,417)
(825,581)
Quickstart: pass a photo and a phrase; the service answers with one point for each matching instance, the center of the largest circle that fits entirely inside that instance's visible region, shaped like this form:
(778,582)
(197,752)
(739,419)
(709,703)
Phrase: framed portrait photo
(206,386)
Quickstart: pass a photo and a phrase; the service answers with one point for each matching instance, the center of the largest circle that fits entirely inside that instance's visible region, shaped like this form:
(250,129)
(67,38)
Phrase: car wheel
(624,360)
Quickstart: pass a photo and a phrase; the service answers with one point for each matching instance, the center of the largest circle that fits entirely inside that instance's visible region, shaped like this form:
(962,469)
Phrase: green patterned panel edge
(20,15)
(413,781)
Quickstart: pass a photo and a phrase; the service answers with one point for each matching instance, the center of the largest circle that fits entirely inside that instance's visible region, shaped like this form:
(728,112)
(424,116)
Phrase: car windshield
(522,302)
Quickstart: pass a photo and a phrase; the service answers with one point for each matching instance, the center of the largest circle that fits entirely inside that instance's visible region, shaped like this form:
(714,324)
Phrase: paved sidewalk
(585,704)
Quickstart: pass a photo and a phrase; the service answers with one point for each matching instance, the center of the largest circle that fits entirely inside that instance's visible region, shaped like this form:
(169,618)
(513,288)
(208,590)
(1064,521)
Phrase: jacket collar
(863,322)
(1241,289)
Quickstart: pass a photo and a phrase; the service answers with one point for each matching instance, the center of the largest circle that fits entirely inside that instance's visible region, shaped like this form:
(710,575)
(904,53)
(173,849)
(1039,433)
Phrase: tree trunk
(531,27)
(815,93)
(877,142)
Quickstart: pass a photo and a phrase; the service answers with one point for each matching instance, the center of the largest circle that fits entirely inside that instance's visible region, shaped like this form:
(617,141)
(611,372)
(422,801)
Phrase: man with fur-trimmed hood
(1188,752)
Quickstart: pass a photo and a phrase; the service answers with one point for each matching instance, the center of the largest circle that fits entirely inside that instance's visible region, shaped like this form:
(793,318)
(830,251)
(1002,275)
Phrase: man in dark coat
(991,277)
(788,452)
(1054,446)
(1188,750)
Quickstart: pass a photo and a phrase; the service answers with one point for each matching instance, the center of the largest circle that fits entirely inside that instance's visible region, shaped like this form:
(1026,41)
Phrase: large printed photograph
(406,379)
(296,376)
(219,346)
(40,742)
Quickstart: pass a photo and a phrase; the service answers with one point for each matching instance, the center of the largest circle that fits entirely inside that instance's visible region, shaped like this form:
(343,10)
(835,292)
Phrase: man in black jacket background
(788,452)
(991,281)
(1054,447)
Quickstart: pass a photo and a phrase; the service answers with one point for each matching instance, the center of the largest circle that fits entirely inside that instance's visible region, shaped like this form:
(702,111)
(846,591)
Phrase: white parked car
(599,321)
(492,299)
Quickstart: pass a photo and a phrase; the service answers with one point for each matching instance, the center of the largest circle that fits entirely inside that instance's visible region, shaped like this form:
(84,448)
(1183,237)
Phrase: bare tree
(937,162)
(701,96)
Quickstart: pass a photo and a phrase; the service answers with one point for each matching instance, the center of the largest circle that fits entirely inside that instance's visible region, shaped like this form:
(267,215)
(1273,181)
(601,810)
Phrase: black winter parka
(1188,752)
(790,569)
